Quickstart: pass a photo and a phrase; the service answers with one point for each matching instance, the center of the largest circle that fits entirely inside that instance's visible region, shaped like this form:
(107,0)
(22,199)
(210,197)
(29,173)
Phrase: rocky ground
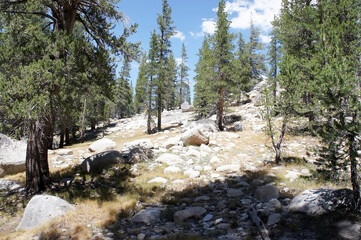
(209,191)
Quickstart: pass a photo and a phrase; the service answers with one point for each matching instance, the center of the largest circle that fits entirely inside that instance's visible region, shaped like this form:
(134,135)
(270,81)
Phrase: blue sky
(192,19)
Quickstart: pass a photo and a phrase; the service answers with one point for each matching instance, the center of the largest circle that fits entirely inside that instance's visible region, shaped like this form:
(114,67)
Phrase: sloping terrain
(185,192)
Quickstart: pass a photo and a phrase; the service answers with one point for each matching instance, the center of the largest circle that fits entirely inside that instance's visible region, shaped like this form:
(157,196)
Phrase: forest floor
(220,179)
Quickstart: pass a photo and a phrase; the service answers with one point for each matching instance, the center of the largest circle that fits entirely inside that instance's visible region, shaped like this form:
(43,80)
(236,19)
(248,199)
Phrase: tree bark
(37,168)
(159,125)
(149,107)
(220,106)
(62,135)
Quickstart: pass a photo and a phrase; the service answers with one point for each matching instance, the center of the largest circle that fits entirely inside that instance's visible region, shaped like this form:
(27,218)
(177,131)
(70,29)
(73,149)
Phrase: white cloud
(196,35)
(178,61)
(265,39)
(261,11)
(179,35)
(208,26)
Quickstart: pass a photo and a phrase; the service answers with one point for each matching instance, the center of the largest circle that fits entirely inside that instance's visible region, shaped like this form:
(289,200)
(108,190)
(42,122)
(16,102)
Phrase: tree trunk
(354,171)
(149,107)
(159,125)
(67,137)
(37,168)
(220,106)
(62,135)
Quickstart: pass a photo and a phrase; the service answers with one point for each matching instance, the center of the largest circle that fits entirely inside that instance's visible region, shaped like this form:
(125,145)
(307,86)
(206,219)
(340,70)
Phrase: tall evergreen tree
(166,29)
(205,91)
(183,84)
(45,72)
(171,70)
(256,57)
(141,86)
(124,93)
(274,57)
(337,90)
(241,70)
(223,48)
(152,74)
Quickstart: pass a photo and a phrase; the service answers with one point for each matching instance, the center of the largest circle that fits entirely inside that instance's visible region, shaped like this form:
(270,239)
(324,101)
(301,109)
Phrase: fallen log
(259,224)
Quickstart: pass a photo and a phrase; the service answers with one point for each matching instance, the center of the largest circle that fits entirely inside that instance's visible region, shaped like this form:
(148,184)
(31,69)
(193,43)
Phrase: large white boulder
(205,125)
(169,159)
(320,201)
(12,156)
(41,209)
(102,145)
(194,137)
(99,161)
(186,107)
(144,143)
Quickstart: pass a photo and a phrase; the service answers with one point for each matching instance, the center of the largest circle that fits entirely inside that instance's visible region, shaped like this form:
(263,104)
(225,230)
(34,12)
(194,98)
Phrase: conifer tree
(337,89)
(166,31)
(183,84)
(205,91)
(124,94)
(274,57)
(141,86)
(223,55)
(171,70)
(152,74)
(241,70)
(50,23)
(256,58)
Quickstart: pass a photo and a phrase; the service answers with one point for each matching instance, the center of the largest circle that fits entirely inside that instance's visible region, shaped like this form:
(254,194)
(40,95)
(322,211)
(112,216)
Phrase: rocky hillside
(189,181)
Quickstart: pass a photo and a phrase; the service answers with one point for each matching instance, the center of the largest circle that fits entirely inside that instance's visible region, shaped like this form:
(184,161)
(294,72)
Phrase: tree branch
(32,13)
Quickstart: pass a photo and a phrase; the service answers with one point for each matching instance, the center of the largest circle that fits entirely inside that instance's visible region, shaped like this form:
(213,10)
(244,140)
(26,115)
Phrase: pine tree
(141,86)
(256,58)
(223,48)
(205,92)
(166,29)
(283,105)
(274,57)
(152,74)
(183,84)
(337,88)
(241,70)
(124,94)
(45,72)
(171,70)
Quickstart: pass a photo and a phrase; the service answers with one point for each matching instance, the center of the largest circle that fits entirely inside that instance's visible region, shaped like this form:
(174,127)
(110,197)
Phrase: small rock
(349,230)
(224,226)
(215,160)
(158,180)
(273,205)
(172,169)
(169,159)
(192,173)
(141,236)
(147,216)
(266,192)
(274,219)
(232,192)
(64,152)
(207,218)
(229,168)
(182,215)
